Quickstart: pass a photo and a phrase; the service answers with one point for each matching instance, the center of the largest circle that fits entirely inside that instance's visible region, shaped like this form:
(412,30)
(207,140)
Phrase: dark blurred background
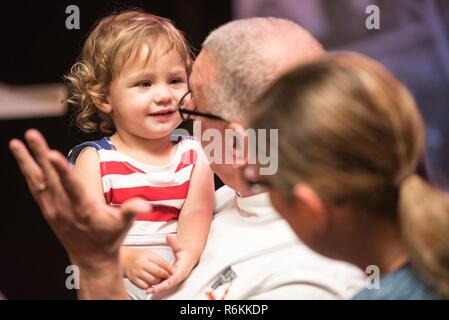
(412,42)
(38,49)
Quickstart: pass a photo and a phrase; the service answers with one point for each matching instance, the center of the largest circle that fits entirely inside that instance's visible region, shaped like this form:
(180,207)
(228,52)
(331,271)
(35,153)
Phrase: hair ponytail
(424,215)
(354,134)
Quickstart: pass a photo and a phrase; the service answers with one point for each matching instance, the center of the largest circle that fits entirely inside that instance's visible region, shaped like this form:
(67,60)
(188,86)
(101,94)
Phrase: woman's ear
(235,135)
(312,203)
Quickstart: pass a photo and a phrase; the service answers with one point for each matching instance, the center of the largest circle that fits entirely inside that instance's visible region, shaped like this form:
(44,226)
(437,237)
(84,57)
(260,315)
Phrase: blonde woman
(350,140)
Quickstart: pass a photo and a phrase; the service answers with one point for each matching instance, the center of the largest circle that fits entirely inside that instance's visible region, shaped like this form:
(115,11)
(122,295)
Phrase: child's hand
(145,268)
(182,267)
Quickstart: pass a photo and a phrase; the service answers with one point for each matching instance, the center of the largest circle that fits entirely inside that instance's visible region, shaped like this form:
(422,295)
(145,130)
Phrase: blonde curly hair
(115,39)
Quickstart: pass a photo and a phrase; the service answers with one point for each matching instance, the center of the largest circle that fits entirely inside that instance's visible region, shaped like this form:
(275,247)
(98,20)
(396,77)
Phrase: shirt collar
(257,206)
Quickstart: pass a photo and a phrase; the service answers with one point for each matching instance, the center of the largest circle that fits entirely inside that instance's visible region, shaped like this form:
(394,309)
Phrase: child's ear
(103,104)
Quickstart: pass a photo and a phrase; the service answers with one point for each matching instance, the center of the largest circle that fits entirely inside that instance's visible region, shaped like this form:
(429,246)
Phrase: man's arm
(91,232)
(101,281)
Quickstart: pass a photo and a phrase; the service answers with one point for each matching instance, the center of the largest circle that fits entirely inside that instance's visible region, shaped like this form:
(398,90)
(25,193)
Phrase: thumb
(132,207)
(173,242)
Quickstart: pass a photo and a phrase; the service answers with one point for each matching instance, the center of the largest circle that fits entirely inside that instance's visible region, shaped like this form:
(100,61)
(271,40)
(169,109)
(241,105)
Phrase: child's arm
(193,225)
(196,214)
(137,265)
(87,168)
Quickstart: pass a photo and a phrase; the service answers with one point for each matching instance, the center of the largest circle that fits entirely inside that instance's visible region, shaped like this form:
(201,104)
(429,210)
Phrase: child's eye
(145,84)
(176,81)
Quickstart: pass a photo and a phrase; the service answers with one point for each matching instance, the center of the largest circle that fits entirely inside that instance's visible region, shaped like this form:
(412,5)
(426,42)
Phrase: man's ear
(310,201)
(103,104)
(235,134)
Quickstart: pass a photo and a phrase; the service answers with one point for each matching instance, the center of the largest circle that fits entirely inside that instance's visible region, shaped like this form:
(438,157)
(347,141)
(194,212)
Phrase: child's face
(143,98)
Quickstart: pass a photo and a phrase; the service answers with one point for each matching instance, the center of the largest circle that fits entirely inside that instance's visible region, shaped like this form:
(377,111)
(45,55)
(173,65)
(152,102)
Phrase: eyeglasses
(187,113)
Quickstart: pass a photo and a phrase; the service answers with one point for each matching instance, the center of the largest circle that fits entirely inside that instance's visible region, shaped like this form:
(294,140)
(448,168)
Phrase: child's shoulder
(188,143)
(190,150)
(101,144)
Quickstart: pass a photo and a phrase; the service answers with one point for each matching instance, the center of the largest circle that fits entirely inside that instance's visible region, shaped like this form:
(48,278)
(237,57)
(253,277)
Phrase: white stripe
(175,203)
(114,155)
(149,232)
(118,181)
(175,159)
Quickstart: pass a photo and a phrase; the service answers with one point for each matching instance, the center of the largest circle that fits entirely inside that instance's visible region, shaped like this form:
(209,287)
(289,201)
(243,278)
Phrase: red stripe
(187,158)
(159,213)
(107,197)
(118,167)
(120,195)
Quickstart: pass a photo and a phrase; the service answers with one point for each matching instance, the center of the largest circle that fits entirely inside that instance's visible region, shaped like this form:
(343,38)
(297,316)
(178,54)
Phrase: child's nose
(162,95)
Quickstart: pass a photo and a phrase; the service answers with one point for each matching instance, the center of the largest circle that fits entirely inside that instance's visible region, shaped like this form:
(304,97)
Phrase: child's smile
(164,114)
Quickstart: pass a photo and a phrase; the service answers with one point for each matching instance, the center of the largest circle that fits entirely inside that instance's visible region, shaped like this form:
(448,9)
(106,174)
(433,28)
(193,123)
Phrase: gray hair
(249,54)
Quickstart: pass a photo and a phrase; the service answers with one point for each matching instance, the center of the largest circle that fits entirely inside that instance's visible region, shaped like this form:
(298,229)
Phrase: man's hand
(91,232)
(145,268)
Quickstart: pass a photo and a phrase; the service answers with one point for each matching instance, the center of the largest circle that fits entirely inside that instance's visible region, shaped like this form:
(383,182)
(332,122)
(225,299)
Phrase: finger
(181,272)
(29,168)
(139,283)
(70,183)
(134,206)
(156,259)
(171,282)
(40,150)
(165,285)
(70,188)
(149,279)
(173,242)
(157,271)
(34,177)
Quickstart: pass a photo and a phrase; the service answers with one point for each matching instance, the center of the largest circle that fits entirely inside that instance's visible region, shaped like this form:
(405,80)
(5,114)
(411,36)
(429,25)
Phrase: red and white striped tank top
(165,187)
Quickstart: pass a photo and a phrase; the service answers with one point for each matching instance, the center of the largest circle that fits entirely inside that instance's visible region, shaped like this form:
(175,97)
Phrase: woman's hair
(115,39)
(353,133)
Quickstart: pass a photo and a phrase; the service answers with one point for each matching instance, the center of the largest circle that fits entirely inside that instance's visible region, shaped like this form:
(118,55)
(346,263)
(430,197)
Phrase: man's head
(238,61)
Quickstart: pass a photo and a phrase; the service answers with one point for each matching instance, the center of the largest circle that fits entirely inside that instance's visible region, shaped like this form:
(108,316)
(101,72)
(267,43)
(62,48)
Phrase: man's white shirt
(252,253)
